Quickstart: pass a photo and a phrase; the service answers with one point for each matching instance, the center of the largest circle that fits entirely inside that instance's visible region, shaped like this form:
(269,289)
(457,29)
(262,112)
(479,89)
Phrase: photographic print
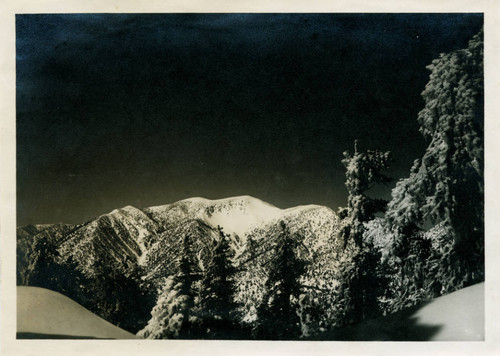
(250,176)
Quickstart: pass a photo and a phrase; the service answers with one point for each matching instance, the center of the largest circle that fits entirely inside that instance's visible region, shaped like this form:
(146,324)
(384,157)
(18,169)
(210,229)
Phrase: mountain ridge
(143,245)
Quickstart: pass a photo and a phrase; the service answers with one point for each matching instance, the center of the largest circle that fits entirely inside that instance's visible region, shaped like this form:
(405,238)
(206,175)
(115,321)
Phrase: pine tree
(135,297)
(278,315)
(217,306)
(446,187)
(359,279)
(363,171)
(172,316)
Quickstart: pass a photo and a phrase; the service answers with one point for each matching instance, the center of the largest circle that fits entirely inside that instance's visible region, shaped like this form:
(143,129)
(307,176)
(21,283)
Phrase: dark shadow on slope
(458,316)
(400,326)
(27,336)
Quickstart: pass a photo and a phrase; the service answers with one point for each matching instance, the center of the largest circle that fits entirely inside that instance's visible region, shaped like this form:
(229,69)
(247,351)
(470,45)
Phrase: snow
(135,221)
(42,313)
(301,209)
(458,316)
(239,215)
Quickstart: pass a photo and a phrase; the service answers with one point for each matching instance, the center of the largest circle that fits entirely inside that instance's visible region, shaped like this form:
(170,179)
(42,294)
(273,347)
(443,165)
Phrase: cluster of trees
(430,239)
(202,305)
(360,279)
(427,240)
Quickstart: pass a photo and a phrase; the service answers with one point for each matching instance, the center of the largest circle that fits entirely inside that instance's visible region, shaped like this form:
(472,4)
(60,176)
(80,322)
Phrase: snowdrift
(44,314)
(458,316)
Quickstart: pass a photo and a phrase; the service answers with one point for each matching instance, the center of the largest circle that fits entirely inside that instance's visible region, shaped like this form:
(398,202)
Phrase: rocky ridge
(150,240)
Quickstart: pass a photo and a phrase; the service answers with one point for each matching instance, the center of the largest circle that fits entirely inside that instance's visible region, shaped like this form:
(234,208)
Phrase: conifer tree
(172,316)
(278,314)
(218,312)
(446,187)
(358,273)
(363,171)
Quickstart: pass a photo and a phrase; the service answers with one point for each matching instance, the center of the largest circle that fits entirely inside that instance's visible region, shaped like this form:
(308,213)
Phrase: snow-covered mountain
(118,235)
(238,215)
(150,240)
(130,233)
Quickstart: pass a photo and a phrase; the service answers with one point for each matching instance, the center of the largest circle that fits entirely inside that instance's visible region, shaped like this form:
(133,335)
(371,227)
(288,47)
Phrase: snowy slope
(118,236)
(42,313)
(458,316)
(238,215)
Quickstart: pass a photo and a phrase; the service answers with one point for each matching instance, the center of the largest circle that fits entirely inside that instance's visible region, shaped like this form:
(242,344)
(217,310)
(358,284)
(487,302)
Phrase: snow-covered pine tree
(408,281)
(217,308)
(446,186)
(167,315)
(358,272)
(172,317)
(278,315)
(363,171)
(250,280)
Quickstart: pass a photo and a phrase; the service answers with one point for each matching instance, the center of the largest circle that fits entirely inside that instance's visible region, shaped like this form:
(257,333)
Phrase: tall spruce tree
(359,279)
(445,188)
(218,310)
(278,314)
(363,171)
(172,316)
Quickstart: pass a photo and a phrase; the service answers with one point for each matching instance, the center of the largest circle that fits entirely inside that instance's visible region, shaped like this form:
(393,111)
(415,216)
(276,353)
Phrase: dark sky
(118,109)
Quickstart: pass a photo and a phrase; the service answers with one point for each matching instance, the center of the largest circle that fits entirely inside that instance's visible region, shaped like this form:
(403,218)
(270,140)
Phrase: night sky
(143,110)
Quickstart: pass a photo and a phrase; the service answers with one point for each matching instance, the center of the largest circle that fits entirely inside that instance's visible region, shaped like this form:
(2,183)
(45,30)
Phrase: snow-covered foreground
(42,313)
(458,316)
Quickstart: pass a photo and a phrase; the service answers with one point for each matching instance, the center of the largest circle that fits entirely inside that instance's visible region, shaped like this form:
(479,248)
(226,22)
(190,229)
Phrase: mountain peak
(243,199)
(238,215)
(127,208)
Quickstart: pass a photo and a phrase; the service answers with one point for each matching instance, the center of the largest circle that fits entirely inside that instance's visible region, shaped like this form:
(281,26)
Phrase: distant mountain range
(150,239)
